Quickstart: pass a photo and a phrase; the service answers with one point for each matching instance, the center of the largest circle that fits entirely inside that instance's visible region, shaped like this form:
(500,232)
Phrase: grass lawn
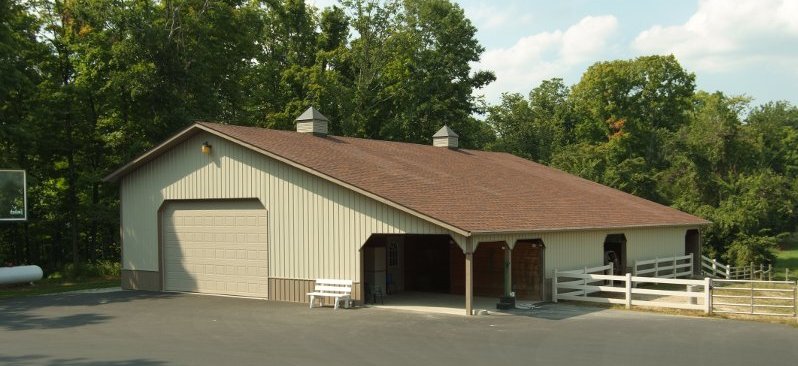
(787,258)
(51,286)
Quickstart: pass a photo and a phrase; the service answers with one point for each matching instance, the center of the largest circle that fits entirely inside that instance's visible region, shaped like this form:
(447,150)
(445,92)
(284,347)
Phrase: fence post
(628,291)
(554,286)
(728,272)
(761,271)
(612,273)
(714,267)
(770,272)
(584,284)
(656,267)
(673,271)
(752,272)
(707,295)
(752,294)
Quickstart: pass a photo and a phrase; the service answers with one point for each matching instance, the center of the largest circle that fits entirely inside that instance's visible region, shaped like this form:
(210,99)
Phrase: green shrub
(101,268)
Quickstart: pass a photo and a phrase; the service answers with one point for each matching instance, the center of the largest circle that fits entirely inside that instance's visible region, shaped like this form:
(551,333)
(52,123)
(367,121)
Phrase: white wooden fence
(600,270)
(761,273)
(670,267)
(776,298)
(581,285)
(715,269)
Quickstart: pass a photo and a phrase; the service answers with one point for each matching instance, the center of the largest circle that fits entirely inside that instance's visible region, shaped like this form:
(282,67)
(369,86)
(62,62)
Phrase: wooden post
(752,295)
(508,281)
(770,272)
(707,295)
(554,286)
(752,272)
(715,267)
(794,298)
(469,280)
(628,291)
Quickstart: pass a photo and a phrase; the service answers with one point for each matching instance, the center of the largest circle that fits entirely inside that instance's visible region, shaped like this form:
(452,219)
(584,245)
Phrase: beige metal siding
(315,227)
(215,247)
(649,244)
(575,249)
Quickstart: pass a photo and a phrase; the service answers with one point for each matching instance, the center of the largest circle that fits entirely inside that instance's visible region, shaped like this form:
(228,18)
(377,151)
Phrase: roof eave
(587,228)
(153,153)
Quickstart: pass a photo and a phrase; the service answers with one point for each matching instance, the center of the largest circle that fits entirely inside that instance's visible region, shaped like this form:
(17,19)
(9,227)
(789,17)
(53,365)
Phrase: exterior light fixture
(206,148)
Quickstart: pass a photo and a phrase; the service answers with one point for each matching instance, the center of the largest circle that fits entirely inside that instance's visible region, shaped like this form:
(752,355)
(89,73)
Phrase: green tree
(429,81)
(536,128)
(775,127)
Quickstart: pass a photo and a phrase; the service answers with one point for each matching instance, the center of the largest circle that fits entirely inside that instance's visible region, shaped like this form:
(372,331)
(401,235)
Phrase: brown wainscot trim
(295,290)
(141,280)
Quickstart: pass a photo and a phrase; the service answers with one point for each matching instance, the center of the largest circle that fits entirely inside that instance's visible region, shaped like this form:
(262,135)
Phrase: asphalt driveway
(140,328)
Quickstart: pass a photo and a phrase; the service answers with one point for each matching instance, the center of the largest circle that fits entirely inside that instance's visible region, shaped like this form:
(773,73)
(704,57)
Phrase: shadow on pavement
(45,360)
(21,313)
(552,311)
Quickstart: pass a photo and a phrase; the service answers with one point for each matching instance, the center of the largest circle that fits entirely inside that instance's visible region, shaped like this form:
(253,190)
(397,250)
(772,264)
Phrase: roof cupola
(312,121)
(445,137)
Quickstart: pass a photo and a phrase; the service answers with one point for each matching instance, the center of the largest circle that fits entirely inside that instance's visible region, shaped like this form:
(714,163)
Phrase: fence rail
(670,267)
(715,269)
(586,284)
(777,298)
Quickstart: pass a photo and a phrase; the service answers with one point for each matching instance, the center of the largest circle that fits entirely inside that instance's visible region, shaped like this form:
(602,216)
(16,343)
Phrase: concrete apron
(434,303)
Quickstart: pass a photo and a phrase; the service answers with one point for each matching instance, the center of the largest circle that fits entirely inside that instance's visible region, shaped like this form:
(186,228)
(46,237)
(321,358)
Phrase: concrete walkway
(435,303)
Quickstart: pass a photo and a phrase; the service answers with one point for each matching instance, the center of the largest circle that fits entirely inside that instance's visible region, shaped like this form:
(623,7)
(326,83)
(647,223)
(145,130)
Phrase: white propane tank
(20,274)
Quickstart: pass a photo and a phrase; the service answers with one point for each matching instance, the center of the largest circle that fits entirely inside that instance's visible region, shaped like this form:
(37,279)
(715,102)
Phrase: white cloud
(587,38)
(725,36)
(546,55)
(488,16)
(321,4)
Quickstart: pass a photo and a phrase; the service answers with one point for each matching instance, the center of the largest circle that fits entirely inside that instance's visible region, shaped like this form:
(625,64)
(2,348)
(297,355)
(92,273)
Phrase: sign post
(13,195)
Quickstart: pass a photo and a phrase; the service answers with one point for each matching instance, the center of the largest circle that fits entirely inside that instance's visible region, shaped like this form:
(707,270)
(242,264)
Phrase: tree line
(642,127)
(86,85)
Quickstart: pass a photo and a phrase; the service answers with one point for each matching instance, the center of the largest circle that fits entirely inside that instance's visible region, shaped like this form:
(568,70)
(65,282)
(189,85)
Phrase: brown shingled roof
(475,191)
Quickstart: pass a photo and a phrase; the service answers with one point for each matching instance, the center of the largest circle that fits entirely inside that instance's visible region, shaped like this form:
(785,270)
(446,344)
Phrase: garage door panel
(230,266)
(183,277)
(216,247)
(175,263)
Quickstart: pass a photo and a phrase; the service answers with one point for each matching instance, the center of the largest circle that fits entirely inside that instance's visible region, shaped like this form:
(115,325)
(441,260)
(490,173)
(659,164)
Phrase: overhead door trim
(187,247)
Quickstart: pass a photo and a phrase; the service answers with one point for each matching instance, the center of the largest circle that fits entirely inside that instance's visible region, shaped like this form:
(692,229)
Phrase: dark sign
(13,196)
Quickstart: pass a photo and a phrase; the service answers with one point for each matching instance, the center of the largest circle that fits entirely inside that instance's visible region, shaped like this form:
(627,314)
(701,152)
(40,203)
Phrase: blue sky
(735,46)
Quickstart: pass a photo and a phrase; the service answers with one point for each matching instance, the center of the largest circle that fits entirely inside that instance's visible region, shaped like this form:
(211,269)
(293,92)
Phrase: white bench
(341,290)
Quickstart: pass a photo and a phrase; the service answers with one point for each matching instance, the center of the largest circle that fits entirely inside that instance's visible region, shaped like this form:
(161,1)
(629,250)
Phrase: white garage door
(216,247)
